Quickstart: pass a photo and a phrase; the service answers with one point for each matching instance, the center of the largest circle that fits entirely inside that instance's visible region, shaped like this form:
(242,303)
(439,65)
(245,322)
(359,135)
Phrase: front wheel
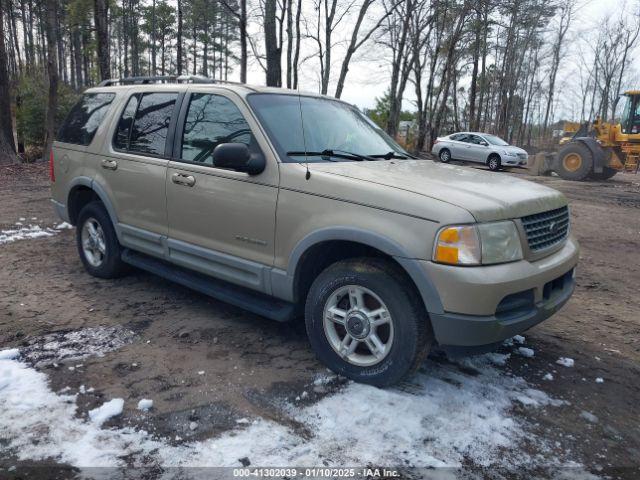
(366,322)
(575,162)
(494,163)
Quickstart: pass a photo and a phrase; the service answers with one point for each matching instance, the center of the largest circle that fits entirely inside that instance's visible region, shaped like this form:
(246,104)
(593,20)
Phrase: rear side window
(84,119)
(144,123)
(212,120)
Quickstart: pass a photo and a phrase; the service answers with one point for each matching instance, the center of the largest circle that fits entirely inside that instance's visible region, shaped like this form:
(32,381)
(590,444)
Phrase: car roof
(141,84)
(470,133)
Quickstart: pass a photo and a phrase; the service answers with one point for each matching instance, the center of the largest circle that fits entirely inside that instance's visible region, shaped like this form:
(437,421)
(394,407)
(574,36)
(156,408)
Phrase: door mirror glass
(236,156)
(484,144)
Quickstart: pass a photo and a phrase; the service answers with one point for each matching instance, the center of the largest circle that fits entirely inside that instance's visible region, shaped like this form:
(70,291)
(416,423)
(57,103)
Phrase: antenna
(304,137)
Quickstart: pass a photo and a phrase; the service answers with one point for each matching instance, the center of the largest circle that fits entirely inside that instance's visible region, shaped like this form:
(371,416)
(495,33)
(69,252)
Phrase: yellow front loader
(600,150)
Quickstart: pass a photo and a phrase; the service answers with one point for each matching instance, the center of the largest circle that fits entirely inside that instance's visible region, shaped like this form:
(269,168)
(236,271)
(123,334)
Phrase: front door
(221,222)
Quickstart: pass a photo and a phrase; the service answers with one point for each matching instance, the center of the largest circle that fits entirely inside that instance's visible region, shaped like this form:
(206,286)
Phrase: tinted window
(121,137)
(328,125)
(85,117)
(475,139)
(458,137)
(212,120)
(151,124)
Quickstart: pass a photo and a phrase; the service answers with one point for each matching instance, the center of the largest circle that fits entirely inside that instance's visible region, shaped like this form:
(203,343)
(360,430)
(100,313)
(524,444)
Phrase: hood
(510,148)
(486,195)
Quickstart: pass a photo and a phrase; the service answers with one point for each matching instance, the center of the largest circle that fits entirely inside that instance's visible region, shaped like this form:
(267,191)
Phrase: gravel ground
(213,365)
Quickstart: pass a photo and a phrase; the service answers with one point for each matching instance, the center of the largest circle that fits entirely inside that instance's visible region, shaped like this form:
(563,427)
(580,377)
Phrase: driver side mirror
(484,144)
(236,156)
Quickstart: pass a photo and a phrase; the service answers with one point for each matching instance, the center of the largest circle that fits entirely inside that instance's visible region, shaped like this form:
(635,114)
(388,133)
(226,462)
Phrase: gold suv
(296,205)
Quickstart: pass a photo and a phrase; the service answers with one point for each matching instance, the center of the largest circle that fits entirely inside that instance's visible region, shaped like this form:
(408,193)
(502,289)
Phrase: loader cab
(630,119)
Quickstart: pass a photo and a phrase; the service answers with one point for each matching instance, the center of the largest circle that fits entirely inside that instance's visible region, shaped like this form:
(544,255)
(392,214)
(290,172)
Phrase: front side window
(212,120)
(315,124)
(147,133)
(84,118)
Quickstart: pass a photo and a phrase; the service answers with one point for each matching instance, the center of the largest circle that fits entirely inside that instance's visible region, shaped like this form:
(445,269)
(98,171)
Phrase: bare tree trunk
(154,69)
(102,35)
(274,68)
(7,146)
(179,40)
(52,72)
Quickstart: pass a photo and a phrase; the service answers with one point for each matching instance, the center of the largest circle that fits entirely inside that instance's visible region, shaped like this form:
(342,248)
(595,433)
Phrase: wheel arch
(599,154)
(493,154)
(84,190)
(324,247)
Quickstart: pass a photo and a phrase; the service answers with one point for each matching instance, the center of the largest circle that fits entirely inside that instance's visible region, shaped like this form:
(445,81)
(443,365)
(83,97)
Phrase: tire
(444,155)
(494,163)
(406,336)
(99,253)
(606,174)
(574,162)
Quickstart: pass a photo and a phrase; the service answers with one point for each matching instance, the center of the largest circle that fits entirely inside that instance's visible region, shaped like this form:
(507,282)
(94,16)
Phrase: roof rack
(164,79)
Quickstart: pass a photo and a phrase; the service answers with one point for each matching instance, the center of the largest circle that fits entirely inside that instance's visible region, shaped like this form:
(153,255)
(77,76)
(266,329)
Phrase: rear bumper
(61,210)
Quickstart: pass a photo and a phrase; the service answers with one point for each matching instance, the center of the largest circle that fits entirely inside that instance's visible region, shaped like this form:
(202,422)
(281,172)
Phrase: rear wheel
(575,162)
(97,242)
(606,174)
(366,322)
(445,155)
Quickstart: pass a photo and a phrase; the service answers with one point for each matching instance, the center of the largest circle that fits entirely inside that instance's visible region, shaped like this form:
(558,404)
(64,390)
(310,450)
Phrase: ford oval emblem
(554,227)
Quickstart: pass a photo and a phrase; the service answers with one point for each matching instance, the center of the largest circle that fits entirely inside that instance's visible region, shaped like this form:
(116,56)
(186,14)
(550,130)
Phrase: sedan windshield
(321,127)
(493,140)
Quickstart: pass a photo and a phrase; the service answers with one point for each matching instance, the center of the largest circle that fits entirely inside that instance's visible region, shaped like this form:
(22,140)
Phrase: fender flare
(102,195)
(283,284)
(599,155)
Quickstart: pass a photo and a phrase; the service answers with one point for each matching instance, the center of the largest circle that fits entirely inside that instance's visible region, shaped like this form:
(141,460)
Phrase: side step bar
(255,302)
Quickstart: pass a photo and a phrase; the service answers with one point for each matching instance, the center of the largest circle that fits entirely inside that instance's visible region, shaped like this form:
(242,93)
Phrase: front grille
(523,156)
(546,229)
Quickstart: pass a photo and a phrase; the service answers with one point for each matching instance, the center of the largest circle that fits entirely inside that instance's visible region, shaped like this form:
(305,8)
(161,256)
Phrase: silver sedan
(479,147)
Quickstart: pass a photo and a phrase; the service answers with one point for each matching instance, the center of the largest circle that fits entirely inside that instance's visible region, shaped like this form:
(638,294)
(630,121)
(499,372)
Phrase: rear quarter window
(85,117)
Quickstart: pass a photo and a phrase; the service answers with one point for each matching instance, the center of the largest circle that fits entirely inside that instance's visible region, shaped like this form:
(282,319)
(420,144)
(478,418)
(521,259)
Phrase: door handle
(109,164)
(182,179)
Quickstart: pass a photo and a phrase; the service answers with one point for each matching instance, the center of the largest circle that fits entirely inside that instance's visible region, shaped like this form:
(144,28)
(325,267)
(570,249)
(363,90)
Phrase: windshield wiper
(390,155)
(335,153)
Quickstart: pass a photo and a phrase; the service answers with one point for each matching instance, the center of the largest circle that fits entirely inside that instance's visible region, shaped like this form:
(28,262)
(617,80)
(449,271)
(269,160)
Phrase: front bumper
(485,305)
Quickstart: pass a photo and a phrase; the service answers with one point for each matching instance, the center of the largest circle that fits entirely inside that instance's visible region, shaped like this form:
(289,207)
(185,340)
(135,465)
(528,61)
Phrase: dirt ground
(205,361)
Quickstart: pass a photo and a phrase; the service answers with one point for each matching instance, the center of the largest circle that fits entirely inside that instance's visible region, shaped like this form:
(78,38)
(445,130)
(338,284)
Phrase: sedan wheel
(445,156)
(494,164)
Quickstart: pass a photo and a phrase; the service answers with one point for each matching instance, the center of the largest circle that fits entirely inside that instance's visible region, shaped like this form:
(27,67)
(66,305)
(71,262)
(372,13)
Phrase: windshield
(328,125)
(493,140)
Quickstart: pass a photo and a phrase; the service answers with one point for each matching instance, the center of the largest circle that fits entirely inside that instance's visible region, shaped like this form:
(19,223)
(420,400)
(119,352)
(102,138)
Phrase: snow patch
(599,380)
(565,362)
(24,232)
(548,376)
(70,346)
(63,226)
(145,404)
(9,354)
(449,416)
(107,410)
(526,352)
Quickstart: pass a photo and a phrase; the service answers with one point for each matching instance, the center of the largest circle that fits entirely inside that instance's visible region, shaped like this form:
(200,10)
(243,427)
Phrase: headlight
(484,243)
(510,154)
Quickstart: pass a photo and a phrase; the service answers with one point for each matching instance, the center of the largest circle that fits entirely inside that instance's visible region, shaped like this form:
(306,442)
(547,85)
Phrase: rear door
(476,151)
(458,146)
(221,222)
(133,168)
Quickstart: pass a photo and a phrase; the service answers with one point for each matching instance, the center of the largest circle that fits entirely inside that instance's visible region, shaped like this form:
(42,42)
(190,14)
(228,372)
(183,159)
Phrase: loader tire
(574,162)
(606,174)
